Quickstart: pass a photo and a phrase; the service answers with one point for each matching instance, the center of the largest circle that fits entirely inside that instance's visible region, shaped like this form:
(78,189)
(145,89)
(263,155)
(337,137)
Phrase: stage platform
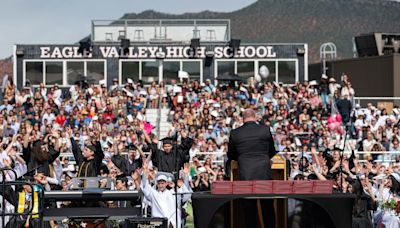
(332,210)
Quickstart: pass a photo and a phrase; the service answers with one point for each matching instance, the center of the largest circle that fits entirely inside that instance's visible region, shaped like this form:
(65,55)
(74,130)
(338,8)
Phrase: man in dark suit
(252,146)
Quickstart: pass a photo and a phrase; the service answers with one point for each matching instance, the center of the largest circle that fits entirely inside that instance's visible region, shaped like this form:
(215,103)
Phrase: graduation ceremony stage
(322,210)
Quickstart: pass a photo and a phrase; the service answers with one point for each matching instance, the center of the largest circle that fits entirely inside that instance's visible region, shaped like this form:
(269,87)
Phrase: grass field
(189,219)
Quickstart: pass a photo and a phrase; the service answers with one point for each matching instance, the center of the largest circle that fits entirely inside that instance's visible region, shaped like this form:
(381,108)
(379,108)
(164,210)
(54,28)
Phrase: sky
(67,21)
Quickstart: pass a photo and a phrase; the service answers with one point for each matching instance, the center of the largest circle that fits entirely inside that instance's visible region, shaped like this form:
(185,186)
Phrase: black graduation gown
(43,166)
(361,216)
(132,166)
(252,146)
(87,168)
(171,162)
(20,221)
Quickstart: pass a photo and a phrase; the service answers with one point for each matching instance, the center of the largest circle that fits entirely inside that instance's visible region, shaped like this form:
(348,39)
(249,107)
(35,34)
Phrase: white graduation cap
(324,76)
(130,81)
(70,174)
(102,82)
(396,176)
(183,74)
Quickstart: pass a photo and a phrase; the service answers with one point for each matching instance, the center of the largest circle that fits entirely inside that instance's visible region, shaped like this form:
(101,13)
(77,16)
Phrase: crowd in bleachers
(312,123)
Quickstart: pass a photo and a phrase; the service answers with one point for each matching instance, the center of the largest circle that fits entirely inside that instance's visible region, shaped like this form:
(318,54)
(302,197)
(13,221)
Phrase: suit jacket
(252,146)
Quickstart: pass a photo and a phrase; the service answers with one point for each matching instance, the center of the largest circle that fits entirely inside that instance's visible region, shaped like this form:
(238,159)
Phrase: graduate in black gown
(89,160)
(40,153)
(170,159)
(26,198)
(363,204)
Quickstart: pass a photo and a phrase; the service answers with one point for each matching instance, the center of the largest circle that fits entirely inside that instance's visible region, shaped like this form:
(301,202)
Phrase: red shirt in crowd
(108,115)
(60,119)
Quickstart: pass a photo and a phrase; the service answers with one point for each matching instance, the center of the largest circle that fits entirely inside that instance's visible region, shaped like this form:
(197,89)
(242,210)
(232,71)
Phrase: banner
(151,52)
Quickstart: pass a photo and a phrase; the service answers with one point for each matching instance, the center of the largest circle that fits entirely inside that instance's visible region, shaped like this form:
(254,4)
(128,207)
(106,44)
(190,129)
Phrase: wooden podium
(280,170)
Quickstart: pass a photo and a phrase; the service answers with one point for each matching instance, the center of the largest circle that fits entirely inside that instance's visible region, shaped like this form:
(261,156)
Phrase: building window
(34,72)
(75,70)
(170,70)
(130,69)
(287,72)
(149,71)
(271,65)
(95,70)
(225,68)
(54,73)
(245,69)
(193,68)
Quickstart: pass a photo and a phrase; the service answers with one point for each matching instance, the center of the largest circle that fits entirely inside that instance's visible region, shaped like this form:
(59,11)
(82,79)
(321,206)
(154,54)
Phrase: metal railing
(357,153)
(127,27)
(374,100)
(5,183)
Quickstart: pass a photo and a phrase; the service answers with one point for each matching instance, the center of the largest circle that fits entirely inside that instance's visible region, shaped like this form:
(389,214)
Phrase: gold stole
(86,169)
(21,205)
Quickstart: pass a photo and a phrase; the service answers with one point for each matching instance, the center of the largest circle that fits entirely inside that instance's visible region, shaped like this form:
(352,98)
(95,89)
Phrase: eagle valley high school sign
(143,52)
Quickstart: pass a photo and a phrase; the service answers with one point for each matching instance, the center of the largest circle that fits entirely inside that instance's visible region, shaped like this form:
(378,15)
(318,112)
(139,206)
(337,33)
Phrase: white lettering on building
(152,52)
(44,52)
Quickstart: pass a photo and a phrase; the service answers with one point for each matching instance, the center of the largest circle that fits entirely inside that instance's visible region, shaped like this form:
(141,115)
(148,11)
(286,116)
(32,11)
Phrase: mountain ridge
(301,21)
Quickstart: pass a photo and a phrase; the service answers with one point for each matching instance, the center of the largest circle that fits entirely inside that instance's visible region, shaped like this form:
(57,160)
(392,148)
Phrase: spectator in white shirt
(369,142)
(49,116)
(221,137)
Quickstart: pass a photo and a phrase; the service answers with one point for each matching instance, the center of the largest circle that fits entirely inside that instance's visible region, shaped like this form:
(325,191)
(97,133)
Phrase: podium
(280,168)
(280,171)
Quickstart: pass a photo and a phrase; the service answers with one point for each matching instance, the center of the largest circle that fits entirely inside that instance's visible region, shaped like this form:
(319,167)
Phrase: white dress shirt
(163,202)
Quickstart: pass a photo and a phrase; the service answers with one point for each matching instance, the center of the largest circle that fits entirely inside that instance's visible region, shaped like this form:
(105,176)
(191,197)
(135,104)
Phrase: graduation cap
(92,148)
(396,176)
(70,174)
(168,140)
(28,176)
(131,146)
